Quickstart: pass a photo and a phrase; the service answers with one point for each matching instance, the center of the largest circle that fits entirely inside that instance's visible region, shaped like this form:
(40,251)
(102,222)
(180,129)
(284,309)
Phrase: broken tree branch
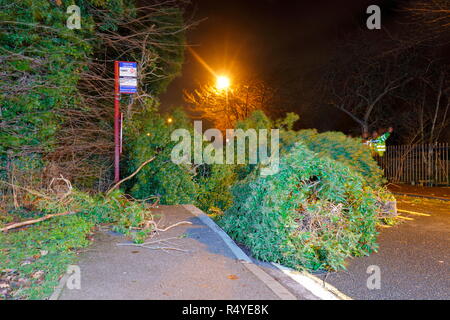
(33,221)
(151,248)
(149,243)
(151,222)
(130,176)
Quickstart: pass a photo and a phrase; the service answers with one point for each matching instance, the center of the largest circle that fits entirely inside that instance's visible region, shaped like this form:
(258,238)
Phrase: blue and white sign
(127,77)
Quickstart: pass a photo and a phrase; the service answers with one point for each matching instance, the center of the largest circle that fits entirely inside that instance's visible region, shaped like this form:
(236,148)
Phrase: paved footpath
(414,256)
(208,270)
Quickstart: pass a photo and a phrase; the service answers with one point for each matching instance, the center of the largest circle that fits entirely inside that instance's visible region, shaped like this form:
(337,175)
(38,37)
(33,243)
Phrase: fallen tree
(313,214)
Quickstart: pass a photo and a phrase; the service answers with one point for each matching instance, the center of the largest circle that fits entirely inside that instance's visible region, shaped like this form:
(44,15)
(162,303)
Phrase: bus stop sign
(127,77)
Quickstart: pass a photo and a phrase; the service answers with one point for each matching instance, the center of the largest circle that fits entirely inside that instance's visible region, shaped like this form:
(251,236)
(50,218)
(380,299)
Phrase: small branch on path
(144,245)
(151,222)
(148,243)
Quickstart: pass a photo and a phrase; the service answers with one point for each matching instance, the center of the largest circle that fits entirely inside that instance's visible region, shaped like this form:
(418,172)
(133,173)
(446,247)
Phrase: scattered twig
(33,192)
(165,248)
(151,248)
(153,205)
(151,222)
(67,182)
(148,243)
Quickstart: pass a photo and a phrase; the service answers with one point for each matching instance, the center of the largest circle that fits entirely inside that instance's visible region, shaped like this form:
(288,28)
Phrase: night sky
(277,41)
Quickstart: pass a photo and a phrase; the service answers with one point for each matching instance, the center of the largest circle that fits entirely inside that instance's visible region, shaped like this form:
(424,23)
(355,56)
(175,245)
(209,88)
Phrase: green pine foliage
(216,181)
(171,183)
(214,187)
(331,144)
(347,150)
(112,209)
(313,214)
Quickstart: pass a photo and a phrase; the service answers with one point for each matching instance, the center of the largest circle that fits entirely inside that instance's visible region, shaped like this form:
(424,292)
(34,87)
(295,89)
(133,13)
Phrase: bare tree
(427,96)
(427,107)
(435,13)
(224,107)
(356,82)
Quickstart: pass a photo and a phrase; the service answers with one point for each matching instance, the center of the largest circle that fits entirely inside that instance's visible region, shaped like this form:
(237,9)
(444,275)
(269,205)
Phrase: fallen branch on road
(151,248)
(147,245)
(153,223)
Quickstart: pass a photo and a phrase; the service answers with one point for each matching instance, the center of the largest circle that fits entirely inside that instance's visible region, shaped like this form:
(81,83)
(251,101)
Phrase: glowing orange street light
(169,120)
(222,82)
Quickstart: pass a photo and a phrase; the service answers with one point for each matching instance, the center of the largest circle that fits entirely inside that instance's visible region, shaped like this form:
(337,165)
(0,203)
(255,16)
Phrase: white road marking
(316,286)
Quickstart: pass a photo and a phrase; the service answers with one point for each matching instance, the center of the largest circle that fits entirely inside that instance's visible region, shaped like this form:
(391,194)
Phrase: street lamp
(222,82)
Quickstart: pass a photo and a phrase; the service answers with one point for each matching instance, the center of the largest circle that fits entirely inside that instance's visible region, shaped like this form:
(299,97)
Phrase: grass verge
(32,259)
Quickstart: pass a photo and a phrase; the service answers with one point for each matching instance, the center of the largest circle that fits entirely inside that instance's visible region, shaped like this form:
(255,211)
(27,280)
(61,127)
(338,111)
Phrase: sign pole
(121,131)
(125,77)
(116,123)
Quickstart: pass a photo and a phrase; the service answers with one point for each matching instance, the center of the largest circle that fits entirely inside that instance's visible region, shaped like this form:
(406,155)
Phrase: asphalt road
(437,192)
(414,257)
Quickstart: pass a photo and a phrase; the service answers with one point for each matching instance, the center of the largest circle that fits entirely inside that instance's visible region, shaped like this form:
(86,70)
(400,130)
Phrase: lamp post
(223,83)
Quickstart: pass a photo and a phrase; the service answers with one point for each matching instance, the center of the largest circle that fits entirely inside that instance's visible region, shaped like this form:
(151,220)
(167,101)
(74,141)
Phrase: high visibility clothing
(379,144)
